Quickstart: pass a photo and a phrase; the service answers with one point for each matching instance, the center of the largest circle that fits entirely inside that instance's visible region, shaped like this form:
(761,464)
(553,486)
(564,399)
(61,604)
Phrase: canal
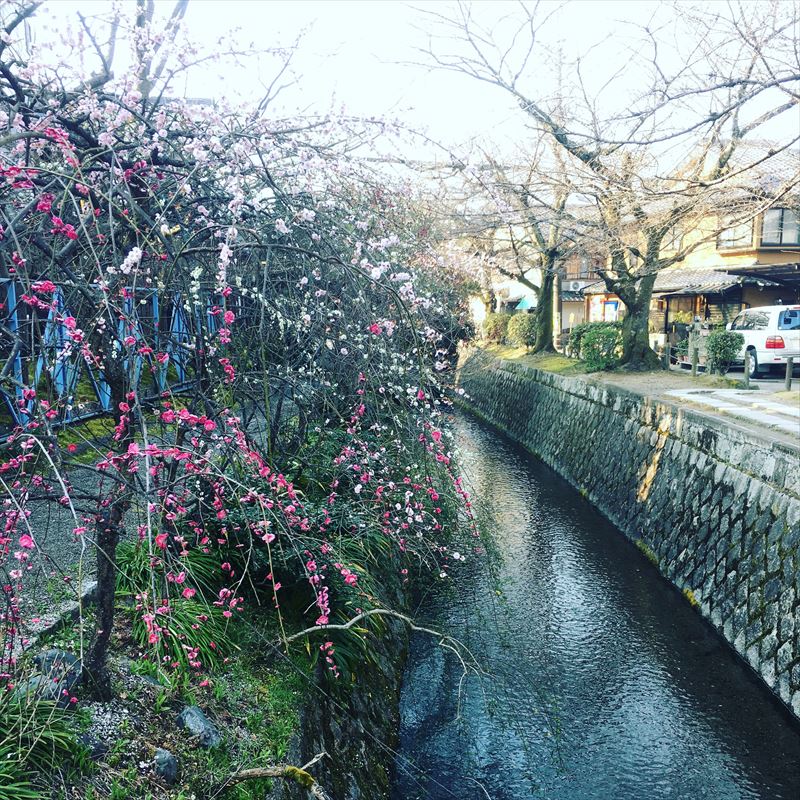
(600,681)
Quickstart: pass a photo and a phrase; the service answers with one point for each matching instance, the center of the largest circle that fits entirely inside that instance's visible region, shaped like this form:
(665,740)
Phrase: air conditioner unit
(575,286)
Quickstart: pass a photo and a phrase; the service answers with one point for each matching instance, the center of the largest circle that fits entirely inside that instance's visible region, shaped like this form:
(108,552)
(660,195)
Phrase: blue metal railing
(55,361)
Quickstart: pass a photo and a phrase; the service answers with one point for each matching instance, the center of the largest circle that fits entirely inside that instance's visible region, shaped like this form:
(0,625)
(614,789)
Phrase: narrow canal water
(601,681)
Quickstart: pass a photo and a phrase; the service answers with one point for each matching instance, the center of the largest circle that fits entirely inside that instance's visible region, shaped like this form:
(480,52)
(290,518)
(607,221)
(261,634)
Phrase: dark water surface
(601,681)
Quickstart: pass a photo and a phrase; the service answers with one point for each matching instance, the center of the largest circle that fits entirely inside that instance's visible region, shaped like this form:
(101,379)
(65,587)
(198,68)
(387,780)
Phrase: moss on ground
(551,362)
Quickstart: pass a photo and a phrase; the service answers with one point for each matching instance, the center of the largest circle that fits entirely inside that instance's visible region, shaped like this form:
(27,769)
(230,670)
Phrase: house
(751,263)
(579,272)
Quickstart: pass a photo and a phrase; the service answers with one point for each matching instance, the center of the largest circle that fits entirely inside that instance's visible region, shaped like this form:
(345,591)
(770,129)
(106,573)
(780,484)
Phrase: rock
(60,663)
(59,674)
(97,749)
(197,724)
(165,765)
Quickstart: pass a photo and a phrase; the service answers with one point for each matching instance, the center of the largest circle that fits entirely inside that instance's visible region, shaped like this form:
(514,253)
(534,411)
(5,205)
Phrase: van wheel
(754,368)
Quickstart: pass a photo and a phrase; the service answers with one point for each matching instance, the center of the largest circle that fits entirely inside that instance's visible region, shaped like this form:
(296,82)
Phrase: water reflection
(602,682)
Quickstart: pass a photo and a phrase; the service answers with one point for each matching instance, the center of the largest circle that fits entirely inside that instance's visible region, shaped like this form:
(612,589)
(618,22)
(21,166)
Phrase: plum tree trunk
(96,673)
(108,529)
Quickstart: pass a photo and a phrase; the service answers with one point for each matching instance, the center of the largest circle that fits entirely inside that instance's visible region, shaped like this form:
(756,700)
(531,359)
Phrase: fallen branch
(288,772)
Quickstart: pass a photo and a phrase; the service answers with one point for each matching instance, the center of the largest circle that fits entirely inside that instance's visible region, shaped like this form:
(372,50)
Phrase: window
(739,234)
(789,320)
(751,321)
(780,226)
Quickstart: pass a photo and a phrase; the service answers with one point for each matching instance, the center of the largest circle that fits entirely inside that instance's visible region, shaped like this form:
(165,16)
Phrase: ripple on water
(600,681)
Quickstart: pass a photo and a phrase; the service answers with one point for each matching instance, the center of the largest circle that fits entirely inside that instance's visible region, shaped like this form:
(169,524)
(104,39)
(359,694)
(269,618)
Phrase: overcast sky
(359,53)
(356,54)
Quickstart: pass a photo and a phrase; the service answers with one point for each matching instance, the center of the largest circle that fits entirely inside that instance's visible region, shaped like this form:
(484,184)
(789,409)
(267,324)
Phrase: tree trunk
(108,529)
(544,314)
(96,667)
(636,351)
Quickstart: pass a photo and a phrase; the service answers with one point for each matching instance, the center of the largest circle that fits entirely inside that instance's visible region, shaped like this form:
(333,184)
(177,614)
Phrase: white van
(771,334)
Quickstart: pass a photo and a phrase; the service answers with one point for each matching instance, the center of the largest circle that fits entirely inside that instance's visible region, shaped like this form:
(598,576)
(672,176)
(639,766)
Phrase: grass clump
(647,552)
(35,737)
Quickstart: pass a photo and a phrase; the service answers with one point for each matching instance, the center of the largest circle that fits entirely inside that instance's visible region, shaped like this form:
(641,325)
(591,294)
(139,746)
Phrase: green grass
(265,695)
(35,737)
(550,362)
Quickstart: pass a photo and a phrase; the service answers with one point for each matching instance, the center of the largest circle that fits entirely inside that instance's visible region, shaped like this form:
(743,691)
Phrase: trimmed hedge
(495,327)
(722,349)
(601,346)
(522,330)
(577,334)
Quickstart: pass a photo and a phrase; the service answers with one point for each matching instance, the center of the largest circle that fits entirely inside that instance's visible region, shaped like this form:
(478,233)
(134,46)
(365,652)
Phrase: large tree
(525,224)
(656,144)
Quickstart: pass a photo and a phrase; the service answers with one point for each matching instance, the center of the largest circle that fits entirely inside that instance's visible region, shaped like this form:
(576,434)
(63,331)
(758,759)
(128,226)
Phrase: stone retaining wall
(717,508)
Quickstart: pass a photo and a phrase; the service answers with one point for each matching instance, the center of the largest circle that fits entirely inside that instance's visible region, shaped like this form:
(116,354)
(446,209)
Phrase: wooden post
(789,365)
(746,369)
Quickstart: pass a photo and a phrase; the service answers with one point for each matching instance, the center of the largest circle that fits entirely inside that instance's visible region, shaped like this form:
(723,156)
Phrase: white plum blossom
(132,260)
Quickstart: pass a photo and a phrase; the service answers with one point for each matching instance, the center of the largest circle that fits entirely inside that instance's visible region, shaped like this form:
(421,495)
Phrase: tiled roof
(569,296)
(690,281)
(694,280)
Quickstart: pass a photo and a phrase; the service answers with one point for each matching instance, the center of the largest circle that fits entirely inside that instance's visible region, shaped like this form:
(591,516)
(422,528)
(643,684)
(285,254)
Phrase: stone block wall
(716,508)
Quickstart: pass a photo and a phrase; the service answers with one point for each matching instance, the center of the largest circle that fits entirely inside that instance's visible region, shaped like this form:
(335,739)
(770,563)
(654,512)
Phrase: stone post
(694,345)
(789,365)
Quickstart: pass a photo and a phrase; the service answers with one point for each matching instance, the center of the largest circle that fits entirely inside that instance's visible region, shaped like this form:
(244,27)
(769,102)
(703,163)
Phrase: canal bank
(715,508)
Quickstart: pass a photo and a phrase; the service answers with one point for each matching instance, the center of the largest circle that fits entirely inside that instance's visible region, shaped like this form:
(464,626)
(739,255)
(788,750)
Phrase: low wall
(716,508)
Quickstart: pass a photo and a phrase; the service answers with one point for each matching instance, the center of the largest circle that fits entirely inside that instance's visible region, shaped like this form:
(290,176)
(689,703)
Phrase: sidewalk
(748,406)
(765,409)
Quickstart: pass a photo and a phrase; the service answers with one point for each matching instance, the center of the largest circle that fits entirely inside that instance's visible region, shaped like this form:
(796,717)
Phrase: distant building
(753,263)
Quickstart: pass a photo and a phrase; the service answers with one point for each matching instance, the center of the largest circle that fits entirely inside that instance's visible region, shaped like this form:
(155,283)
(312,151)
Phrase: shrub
(578,333)
(190,633)
(522,330)
(600,346)
(723,348)
(495,327)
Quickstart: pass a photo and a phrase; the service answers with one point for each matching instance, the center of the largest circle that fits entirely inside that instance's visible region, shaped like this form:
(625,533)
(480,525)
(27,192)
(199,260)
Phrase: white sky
(354,54)
(358,52)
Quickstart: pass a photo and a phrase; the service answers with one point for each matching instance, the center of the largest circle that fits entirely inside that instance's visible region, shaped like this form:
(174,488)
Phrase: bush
(600,346)
(722,349)
(522,330)
(495,327)
(578,333)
